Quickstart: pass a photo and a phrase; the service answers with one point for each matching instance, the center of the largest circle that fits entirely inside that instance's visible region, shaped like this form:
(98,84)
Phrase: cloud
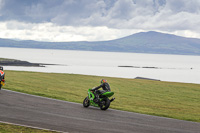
(89,17)
(1,5)
(52,32)
(191,6)
(116,14)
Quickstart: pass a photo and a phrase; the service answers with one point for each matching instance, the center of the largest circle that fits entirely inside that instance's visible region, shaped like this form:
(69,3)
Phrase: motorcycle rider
(2,76)
(104,85)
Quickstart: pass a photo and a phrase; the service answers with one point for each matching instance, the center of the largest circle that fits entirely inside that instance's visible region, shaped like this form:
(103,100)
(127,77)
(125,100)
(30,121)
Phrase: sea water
(175,68)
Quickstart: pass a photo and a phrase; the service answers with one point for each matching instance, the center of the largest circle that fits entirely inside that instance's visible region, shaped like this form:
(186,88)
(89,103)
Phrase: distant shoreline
(13,62)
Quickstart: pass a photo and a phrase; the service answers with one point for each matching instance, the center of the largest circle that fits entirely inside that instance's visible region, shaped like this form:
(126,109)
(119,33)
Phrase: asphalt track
(70,117)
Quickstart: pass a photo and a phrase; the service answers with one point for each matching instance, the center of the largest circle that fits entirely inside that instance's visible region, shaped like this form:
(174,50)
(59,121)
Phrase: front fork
(91,95)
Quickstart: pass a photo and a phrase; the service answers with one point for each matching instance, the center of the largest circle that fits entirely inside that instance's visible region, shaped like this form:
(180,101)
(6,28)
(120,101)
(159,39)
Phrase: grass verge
(167,99)
(9,128)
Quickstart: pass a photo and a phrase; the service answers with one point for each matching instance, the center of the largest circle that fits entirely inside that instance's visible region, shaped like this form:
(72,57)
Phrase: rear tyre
(105,103)
(86,102)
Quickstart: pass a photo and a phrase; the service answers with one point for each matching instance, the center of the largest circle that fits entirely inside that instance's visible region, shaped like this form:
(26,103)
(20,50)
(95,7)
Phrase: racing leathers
(105,86)
(2,76)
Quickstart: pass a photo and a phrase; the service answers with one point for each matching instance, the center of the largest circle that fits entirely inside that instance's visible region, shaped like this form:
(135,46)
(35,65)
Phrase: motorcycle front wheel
(105,103)
(86,102)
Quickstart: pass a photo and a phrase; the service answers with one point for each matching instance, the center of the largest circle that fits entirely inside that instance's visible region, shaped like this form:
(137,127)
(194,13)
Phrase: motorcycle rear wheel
(105,103)
(86,102)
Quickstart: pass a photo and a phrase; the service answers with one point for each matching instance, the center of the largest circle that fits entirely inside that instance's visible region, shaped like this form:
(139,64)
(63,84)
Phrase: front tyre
(86,102)
(105,103)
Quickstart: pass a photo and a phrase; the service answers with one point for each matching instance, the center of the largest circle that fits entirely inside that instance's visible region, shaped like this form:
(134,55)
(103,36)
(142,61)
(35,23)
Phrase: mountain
(143,42)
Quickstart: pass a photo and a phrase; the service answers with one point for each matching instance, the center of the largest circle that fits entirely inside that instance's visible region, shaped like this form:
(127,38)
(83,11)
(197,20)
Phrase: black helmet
(103,81)
(1,68)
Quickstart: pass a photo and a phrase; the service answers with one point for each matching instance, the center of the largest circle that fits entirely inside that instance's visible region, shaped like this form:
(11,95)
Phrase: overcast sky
(96,20)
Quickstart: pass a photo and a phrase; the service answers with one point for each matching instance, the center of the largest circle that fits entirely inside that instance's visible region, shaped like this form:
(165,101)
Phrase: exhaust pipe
(112,99)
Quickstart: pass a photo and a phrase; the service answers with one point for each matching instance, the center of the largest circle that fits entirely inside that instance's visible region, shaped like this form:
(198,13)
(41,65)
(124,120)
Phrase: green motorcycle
(98,100)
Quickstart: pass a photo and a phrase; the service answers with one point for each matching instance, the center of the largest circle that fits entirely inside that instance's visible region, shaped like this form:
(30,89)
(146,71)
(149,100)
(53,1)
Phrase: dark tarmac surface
(71,117)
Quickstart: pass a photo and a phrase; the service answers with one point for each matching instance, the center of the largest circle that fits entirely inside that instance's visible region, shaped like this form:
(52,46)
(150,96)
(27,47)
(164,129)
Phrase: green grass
(168,99)
(8,128)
